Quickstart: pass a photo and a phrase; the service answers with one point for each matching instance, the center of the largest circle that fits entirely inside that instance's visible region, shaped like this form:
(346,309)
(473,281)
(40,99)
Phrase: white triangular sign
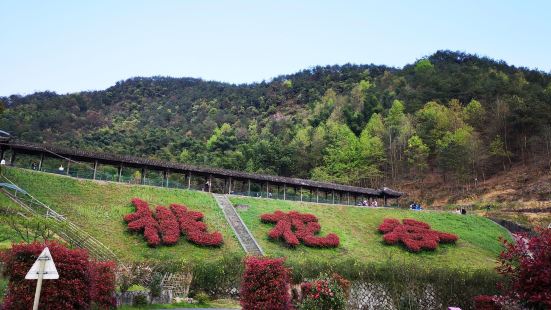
(50,272)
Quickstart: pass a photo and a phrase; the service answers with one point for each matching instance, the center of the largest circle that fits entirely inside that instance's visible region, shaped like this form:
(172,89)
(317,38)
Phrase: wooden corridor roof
(153,164)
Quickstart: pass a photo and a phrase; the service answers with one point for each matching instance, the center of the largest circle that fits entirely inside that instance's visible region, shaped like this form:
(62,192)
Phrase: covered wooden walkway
(209,179)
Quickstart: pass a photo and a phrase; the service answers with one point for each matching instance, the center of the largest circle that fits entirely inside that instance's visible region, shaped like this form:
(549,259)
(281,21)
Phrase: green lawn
(99,207)
(477,247)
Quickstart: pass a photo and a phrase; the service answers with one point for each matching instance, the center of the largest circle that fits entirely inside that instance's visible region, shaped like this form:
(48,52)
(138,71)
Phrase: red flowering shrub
(80,282)
(143,220)
(169,227)
(324,293)
(526,265)
(168,224)
(102,276)
(194,230)
(414,235)
(485,302)
(294,227)
(265,285)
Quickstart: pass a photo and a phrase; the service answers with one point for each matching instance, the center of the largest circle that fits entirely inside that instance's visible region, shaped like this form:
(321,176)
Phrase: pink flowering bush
(167,225)
(294,227)
(324,293)
(414,235)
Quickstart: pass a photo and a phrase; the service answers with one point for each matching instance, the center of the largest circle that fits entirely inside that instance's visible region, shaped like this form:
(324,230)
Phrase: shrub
(139,300)
(80,282)
(217,277)
(202,297)
(142,220)
(526,265)
(170,230)
(265,285)
(102,275)
(485,302)
(154,285)
(414,235)
(194,230)
(294,227)
(168,224)
(324,293)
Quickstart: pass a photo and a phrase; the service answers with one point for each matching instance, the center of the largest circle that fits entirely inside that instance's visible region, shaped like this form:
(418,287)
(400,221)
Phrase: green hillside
(99,207)
(454,113)
(477,247)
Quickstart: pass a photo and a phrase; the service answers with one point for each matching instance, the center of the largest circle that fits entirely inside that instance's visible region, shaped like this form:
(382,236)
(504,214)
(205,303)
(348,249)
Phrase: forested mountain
(452,113)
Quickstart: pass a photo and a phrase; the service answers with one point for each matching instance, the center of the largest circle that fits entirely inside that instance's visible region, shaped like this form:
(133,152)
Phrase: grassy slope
(7,234)
(98,207)
(357,228)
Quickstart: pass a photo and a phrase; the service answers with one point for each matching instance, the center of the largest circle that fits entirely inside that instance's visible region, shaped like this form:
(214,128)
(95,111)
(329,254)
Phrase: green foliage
(155,285)
(455,151)
(434,120)
(474,113)
(375,126)
(139,300)
(423,66)
(497,148)
(209,123)
(288,84)
(344,157)
(202,298)
(417,154)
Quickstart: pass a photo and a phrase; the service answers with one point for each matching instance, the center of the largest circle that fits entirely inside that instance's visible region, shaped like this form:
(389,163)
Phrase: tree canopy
(451,112)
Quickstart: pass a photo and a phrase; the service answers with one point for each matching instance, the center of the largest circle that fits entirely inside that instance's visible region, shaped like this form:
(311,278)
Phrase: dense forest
(451,113)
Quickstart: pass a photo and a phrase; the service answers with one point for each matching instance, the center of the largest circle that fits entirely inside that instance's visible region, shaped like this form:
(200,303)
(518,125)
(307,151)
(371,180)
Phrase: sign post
(43,268)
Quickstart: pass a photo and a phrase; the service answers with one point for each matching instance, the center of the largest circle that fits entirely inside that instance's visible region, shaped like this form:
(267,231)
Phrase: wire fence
(59,223)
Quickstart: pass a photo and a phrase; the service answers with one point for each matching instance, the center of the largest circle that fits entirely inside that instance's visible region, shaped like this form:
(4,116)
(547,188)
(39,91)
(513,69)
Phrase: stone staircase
(243,234)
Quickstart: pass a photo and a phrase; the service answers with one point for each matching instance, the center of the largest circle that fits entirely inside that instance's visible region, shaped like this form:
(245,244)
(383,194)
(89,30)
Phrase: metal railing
(64,228)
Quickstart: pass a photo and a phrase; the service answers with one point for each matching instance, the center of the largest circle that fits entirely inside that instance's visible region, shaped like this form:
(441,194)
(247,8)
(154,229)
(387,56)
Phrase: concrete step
(243,234)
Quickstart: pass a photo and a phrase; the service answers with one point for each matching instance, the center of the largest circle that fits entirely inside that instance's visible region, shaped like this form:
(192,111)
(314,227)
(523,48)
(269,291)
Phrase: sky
(71,46)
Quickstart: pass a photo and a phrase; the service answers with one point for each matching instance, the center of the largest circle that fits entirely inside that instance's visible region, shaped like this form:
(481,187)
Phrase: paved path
(243,234)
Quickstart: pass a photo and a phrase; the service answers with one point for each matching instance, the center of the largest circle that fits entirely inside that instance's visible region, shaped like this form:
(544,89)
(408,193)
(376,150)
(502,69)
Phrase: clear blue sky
(69,46)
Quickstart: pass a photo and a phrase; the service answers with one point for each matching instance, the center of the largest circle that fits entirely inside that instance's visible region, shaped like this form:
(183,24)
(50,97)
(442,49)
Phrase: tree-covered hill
(451,113)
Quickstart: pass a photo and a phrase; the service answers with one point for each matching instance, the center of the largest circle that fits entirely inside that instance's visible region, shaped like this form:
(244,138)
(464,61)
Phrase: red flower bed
(294,227)
(82,283)
(143,220)
(414,235)
(168,224)
(170,230)
(265,285)
(194,230)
